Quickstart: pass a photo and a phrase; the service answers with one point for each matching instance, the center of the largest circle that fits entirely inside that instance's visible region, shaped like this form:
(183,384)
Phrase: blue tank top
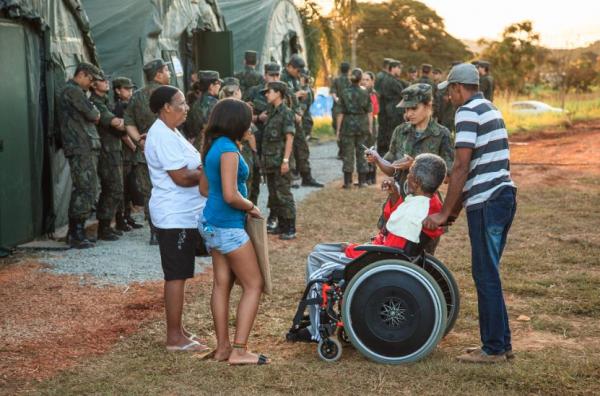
(218,212)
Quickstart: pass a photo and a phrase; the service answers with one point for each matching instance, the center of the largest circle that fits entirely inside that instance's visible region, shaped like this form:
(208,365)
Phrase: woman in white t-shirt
(175,204)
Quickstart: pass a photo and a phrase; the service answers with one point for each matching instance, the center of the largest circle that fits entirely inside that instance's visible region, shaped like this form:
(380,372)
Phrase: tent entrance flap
(214,51)
(16,192)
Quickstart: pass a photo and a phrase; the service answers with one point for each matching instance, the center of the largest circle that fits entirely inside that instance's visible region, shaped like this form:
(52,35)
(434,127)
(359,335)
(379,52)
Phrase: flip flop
(188,348)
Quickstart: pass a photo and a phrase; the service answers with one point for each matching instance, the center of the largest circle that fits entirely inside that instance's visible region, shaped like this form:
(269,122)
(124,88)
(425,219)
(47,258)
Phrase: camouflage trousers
(281,201)
(301,152)
(126,201)
(142,178)
(384,136)
(111,182)
(353,152)
(84,178)
(253,182)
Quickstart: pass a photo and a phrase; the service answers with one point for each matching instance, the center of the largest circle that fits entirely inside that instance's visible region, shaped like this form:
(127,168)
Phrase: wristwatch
(285,160)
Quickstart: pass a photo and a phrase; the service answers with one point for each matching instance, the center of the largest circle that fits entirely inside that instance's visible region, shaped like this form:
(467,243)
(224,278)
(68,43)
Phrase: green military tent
(41,42)
(273,28)
(130,33)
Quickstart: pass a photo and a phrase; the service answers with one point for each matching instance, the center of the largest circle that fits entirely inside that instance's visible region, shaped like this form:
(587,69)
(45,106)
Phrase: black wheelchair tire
(447,283)
(394,312)
(330,349)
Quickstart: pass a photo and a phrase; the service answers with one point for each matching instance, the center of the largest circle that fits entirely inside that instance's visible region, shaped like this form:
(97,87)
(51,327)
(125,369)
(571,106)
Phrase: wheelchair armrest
(379,249)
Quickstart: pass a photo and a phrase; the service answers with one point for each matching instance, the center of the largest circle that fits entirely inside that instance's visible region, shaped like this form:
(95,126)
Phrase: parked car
(533,107)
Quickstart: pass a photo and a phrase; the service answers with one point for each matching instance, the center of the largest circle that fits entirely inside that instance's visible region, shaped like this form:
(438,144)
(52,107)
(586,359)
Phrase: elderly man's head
(426,174)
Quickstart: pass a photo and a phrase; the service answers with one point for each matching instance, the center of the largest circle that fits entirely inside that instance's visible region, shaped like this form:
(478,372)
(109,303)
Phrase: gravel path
(131,259)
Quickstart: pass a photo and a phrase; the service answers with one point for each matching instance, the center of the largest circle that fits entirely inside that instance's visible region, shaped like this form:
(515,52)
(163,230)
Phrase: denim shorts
(224,240)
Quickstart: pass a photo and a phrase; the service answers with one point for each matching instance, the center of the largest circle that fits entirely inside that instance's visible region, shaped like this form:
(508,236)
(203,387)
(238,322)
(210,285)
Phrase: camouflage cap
(92,70)
(437,70)
(297,61)
(395,63)
(305,73)
(278,86)
(426,67)
(231,81)
(386,61)
(415,94)
(250,57)
(483,63)
(122,82)
(272,68)
(412,69)
(209,75)
(152,67)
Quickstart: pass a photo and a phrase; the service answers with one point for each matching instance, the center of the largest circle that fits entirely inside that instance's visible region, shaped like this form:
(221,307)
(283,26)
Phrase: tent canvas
(130,33)
(273,28)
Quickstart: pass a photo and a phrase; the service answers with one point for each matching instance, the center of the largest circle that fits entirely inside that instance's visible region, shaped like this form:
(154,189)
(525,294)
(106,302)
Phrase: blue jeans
(224,240)
(488,229)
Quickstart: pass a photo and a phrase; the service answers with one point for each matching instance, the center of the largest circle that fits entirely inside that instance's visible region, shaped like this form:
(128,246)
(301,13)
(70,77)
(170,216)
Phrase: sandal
(262,359)
(190,347)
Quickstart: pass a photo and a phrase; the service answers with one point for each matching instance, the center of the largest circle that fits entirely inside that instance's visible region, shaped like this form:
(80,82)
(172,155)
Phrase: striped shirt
(479,126)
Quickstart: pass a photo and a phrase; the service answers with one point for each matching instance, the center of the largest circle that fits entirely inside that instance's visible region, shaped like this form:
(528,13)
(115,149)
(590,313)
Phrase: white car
(533,107)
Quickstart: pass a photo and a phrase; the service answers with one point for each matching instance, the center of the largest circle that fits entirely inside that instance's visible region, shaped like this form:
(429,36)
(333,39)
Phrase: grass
(550,271)
(323,129)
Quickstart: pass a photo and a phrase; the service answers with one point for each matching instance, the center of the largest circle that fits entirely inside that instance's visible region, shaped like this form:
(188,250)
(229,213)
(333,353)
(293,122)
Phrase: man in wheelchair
(402,230)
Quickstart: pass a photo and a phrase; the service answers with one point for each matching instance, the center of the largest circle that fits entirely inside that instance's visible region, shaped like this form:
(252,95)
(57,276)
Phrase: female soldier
(354,121)
(209,85)
(368,83)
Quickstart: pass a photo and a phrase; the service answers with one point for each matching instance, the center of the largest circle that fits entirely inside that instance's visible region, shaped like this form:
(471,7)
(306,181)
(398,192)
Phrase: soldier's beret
(278,86)
(250,57)
(155,65)
(297,61)
(415,94)
(231,81)
(209,75)
(426,67)
(122,82)
(92,70)
(272,68)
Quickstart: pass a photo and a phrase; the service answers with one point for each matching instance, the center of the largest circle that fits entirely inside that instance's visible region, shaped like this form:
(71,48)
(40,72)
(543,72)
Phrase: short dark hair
(231,118)
(161,96)
(345,67)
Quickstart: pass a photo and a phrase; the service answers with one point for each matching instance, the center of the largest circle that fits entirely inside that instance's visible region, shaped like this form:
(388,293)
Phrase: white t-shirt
(171,206)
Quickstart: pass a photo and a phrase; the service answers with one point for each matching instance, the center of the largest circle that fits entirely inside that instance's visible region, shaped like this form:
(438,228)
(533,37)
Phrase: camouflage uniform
(109,166)
(249,78)
(138,114)
(355,105)
(307,120)
(390,115)
(81,145)
(198,117)
(279,124)
(338,86)
(445,110)
(486,86)
(256,97)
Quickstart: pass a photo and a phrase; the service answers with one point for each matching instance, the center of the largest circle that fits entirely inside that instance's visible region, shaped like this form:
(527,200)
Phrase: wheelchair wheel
(447,283)
(342,336)
(394,312)
(330,349)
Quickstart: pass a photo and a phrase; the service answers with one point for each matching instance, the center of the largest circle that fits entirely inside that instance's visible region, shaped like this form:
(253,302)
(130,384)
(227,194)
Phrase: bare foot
(222,354)
(242,356)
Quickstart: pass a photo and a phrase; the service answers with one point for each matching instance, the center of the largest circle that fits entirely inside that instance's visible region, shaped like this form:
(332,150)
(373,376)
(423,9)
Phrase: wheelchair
(393,305)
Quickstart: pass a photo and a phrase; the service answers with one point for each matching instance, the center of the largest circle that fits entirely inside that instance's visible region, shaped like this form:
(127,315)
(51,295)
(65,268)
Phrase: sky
(561,24)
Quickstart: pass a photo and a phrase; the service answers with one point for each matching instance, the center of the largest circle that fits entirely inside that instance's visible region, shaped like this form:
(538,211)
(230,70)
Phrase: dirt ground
(50,322)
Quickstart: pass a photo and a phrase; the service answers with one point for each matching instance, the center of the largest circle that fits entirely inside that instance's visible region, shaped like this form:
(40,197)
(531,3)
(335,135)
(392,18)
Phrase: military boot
(76,237)
(288,229)
(105,232)
(273,226)
(121,223)
(309,181)
(347,180)
(362,180)
(129,219)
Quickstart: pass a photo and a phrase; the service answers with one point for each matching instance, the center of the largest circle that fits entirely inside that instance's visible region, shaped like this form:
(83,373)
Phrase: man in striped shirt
(480,181)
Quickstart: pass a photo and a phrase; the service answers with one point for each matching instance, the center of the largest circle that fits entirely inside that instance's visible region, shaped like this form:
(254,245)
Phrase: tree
(407,30)
(515,57)
(581,72)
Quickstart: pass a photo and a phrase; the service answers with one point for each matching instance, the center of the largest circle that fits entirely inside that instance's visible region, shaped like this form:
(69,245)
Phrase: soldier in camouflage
(250,77)
(123,90)
(255,96)
(290,76)
(380,77)
(278,137)
(209,83)
(354,122)
(111,129)
(426,74)
(486,81)
(138,120)
(391,116)
(338,85)
(420,134)
(305,85)
(81,145)
(412,74)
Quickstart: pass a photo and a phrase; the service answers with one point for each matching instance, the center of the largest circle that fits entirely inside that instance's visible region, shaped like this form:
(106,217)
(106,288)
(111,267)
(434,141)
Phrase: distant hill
(594,47)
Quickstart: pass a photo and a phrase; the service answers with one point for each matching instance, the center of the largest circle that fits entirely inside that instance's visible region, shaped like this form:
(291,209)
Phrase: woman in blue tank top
(223,181)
